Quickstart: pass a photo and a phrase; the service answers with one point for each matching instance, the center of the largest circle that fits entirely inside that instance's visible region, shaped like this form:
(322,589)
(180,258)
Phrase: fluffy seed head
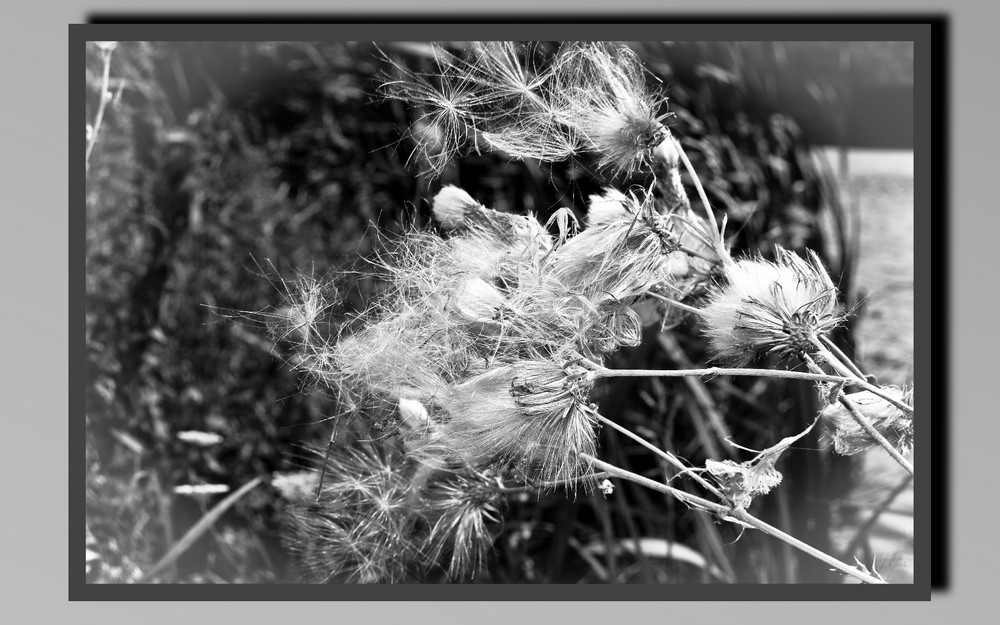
(458,212)
(777,307)
(459,505)
(361,527)
(625,250)
(590,97)
(608,102)
(529,416)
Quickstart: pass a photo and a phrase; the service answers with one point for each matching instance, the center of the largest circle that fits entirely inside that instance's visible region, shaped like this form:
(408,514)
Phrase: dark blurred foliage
(224,168)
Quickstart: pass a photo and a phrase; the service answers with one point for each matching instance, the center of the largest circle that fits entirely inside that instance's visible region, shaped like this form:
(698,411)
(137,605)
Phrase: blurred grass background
(223,167)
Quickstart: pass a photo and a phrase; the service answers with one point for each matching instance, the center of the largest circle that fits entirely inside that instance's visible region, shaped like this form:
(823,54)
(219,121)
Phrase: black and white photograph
(500,312)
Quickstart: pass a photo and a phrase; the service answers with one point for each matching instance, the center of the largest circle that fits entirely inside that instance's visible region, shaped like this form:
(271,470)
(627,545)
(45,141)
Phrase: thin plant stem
(871,520)
(842,356)
(690,252)
(680,373)
(854,379)
(703,398)
(199,528)
(737,514)
(700,189)
(525,488)
(105,83)
(662,298)
(670,458)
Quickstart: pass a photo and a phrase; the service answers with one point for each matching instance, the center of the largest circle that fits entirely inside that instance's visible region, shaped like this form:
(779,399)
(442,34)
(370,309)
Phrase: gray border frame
(691,28)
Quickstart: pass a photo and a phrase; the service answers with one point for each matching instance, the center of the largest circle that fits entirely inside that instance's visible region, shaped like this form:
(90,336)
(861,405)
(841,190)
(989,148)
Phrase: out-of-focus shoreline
(880,182)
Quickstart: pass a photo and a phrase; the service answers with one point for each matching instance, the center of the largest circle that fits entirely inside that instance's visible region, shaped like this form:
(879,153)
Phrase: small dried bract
(746,480)
(764,307)
(849,437)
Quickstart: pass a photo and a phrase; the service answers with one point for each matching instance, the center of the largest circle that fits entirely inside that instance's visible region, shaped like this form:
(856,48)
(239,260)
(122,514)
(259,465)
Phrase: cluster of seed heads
(586,98)
(474,367)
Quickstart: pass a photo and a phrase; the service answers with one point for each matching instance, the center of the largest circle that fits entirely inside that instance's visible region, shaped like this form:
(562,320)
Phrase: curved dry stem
(875,515)
(716,231)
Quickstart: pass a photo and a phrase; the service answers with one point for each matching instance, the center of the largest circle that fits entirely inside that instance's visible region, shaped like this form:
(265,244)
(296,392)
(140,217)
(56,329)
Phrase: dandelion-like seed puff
(606,100)
(361,526)
(764,307)
(531,416)
(458,508)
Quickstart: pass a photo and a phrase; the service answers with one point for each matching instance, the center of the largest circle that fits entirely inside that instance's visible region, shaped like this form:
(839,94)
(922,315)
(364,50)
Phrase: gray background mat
(36,309)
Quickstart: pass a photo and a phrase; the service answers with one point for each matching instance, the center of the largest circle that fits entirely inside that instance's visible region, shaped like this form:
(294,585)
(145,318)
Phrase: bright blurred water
(879,186)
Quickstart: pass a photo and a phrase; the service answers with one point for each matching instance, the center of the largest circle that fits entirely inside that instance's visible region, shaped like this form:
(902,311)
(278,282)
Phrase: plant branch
(737,514)
(680,373)
(199,528)
(842,356)
(670,458)
(871,520)
(854,379)
(662,298)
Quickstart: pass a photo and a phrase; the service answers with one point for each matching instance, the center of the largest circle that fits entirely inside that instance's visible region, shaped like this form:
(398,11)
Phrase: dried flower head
(777,307)
(530,416)
(895,425)
(626,249)
(361,527)
(606,100)
(458,506)
(446,104)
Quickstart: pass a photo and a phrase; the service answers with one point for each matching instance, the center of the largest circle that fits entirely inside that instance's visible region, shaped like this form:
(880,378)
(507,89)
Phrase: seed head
(458,506)
(607,101)
(361,527)
(530,416)
(767,307)
(458,212)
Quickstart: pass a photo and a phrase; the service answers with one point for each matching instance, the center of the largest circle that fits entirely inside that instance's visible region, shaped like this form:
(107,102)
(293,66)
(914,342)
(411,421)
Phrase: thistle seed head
(531,416)
(777,307)
(606,99)
(361,527)
(459,506)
